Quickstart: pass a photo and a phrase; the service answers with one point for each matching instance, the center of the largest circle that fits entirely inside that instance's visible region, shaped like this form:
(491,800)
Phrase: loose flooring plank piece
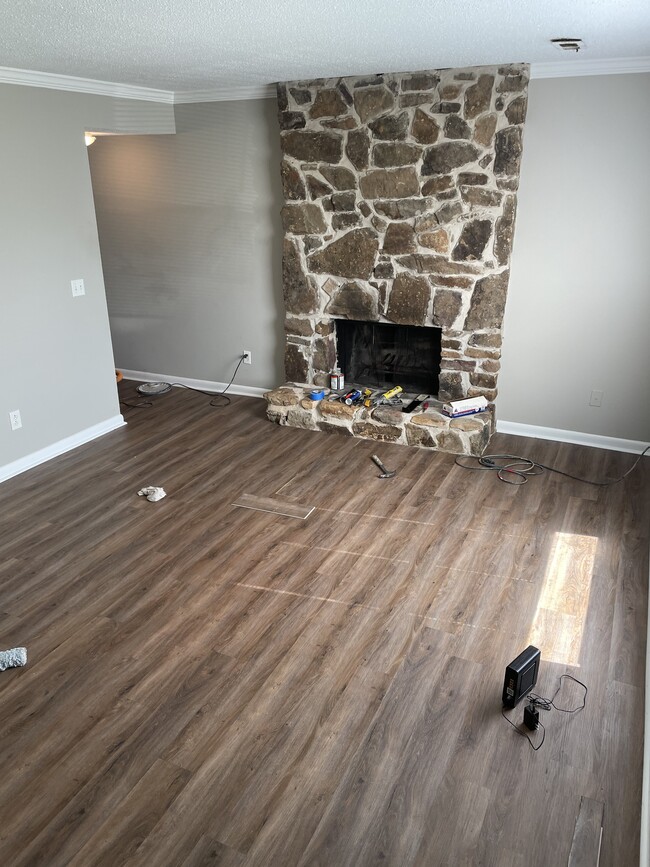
(270,504)
(585,847)
(622,787)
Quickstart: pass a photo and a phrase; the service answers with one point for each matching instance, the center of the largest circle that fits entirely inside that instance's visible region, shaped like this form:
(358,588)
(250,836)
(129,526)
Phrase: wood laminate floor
(210,684)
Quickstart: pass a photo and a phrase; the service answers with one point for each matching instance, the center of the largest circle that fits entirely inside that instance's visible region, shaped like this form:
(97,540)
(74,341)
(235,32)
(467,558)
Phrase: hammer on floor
(385,474)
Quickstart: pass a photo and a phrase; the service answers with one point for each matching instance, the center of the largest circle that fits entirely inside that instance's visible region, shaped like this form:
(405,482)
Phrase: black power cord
(140,405)
(519,469)
(214,395)
(537,701)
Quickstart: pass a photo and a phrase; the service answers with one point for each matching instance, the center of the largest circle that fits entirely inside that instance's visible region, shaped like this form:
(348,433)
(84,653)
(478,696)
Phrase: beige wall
(55,350)
(191,242)
(578,309)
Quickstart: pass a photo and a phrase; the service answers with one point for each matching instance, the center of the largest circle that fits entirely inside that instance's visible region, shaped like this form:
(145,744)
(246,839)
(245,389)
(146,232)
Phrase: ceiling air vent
(565,43)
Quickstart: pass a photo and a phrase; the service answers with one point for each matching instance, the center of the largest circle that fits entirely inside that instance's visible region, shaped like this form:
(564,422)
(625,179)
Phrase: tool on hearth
(385,474)
(352,396)
(381,401)
(415,403)
(371,398)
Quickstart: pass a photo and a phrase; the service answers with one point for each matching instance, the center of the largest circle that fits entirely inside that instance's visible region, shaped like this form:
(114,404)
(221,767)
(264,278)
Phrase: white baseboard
(202,384)
(569,436)
(65,445)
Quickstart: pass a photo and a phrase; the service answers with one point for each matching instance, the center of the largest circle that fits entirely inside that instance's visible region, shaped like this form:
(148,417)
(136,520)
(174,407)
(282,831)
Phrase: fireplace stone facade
(400,202)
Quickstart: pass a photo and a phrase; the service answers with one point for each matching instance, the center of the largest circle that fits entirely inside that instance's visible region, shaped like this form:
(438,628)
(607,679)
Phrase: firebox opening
(379,354)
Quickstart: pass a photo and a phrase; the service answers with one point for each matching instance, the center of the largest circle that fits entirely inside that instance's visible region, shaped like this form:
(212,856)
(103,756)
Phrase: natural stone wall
(400,203)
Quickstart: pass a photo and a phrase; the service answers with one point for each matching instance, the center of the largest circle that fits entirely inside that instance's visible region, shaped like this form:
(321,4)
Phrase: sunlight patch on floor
(562,608)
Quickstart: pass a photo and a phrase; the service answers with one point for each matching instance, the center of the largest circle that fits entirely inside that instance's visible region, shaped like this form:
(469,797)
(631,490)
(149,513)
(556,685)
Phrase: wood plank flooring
(215,685)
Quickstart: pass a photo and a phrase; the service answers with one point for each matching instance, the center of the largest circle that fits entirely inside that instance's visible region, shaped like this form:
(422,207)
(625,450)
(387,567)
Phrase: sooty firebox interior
(379,354)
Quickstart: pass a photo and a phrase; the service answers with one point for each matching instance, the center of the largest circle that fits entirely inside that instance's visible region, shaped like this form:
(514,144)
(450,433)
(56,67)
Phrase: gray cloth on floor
(13,658)
(152,493)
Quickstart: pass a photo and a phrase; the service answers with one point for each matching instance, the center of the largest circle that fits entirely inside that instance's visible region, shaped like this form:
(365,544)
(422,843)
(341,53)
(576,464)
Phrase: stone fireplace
(400,202)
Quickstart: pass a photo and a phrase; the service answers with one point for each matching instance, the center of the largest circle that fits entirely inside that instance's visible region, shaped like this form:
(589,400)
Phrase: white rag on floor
(13,658)
(152,493)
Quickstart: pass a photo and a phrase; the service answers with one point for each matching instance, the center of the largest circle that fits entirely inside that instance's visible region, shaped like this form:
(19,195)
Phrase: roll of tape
(317,394)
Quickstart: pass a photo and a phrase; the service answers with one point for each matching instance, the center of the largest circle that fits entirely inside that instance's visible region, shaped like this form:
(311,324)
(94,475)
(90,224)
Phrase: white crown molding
(58,448)
(578,67)
(570,436)
(225,94)
(53,81)
(201,384)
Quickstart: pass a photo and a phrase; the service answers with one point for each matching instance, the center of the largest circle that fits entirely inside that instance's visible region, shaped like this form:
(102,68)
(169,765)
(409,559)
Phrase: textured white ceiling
(200,44)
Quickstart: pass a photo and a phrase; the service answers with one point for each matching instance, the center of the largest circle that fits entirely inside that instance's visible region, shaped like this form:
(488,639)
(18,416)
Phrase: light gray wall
(191,242)
(191,238)
(55,350)
(578,309)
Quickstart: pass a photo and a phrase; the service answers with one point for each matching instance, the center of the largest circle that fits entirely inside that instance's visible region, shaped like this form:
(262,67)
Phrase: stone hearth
(400,202)
(291,406)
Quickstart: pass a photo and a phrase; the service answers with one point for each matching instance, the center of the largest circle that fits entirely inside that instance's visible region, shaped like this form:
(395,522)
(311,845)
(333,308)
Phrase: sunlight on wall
(562,608)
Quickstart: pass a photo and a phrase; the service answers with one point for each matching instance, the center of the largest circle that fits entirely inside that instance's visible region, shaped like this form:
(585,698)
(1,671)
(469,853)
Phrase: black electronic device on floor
(521,676)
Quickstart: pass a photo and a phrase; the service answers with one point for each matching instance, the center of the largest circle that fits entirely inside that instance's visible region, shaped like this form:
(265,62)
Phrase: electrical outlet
(15,419)
(78,288)
(248,356)
(596,398)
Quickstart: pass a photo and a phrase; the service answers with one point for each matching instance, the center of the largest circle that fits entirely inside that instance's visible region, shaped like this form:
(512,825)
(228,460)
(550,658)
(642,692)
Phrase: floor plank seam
(344,551)
(361,605)
(488,530)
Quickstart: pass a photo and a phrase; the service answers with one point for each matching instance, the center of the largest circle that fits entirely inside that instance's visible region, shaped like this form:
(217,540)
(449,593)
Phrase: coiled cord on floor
(519,469)
(219,399)
(537,701)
